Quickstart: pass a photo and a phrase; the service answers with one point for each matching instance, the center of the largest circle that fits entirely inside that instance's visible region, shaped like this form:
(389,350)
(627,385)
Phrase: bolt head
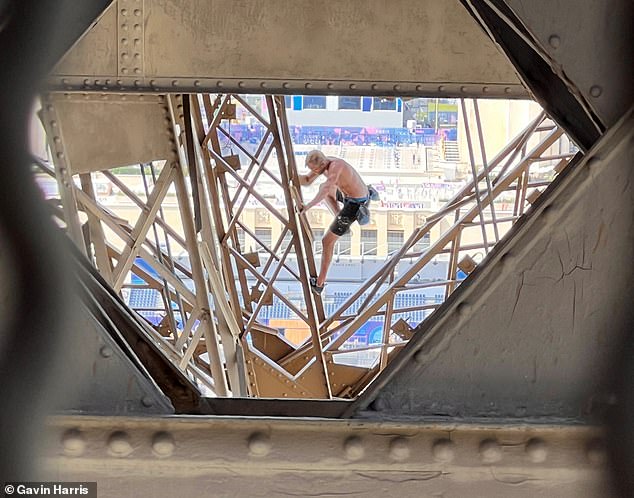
(554,41)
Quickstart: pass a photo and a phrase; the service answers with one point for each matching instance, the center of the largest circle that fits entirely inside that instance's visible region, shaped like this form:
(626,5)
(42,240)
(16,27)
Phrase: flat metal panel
(531,333)
(105,131)
(96,51)
(105,380)
(293,46)
(592,43)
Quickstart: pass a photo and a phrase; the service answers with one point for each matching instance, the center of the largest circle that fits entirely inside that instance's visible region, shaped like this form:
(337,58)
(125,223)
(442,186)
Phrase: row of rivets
(259,444)
(137,58)
(130,55)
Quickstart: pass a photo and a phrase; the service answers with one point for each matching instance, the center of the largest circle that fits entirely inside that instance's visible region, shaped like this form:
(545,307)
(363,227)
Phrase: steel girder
(357,47)
(539,342)
(273,457)
(588,43)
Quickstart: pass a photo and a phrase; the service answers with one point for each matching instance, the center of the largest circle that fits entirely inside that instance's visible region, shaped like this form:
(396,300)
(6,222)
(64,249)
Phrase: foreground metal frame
(250,457)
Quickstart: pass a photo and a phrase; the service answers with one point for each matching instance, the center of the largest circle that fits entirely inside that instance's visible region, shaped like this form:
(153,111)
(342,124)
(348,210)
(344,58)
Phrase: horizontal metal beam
(357,47)
(161,457)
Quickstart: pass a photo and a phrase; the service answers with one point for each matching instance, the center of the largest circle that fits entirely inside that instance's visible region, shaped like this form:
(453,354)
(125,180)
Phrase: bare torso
(346,178)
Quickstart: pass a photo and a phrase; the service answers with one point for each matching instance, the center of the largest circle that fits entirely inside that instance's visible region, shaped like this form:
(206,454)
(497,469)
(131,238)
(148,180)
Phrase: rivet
(60,155)
(463,89)
(374,86)
(548,213)
(399,448)
(87,82)
(124,41)
(152,82)
(124,26)
(137,27)
(220,84)
(308,85)
(108,82)
(57,140)
(263,84)
(443,450)
(485,89)
(97,82)
(419,88)
(595,452)
(163,444)
(536,450)
(441,88)
(397,88)
(463,309)
(119,444)
(596,91)
(73,442)
(241,84)
(120,82)
(490,451)
(379,404)
(137,70)
(175,83)
(554,41)
(106,351)
(124,70)
(137,42)
(197,83)
(507,259)
(353,448)
(353,86)
(419,356)
(137,82)
(259,444)
(330,86)
(507,89)
(147,401)
(137,12)
(124,12)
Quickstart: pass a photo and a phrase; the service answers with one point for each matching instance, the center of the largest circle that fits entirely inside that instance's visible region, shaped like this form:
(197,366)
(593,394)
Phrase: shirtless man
(343,184)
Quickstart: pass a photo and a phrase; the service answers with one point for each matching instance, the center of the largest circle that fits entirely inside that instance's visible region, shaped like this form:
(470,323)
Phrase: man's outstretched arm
(308,178)
(329,187)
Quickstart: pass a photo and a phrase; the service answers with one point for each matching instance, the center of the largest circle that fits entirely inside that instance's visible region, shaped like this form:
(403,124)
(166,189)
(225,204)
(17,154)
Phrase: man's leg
(328,247)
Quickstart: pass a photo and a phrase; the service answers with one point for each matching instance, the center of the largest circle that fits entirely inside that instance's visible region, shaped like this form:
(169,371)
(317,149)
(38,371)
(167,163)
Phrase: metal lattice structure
(213,330)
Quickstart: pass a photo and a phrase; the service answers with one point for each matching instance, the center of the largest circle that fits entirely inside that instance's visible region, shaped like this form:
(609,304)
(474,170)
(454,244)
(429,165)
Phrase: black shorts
(346,217)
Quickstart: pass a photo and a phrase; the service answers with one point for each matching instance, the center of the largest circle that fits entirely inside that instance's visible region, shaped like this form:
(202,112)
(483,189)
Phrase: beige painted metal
(378,47)
(175,456)
(106,131)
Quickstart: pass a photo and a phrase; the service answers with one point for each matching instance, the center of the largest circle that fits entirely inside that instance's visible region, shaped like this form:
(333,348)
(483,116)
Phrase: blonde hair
(316,157)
